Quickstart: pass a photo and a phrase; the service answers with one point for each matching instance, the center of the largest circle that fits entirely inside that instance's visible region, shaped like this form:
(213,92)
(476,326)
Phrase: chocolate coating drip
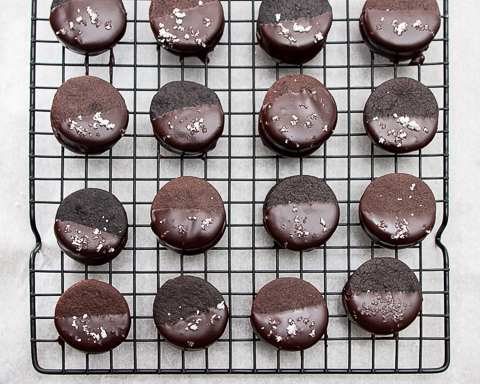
(88,26)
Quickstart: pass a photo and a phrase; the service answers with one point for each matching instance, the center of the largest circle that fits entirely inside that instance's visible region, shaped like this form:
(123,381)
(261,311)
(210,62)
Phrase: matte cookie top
(189,312)
(88,26)
(188,215)
(300,213)
(290,314)
(187,27)
(91,226)
(187,117)
(88,115)
(297,116)
(293,32)
(397,210)
(401,115)
(92,316)
(383,296)
(400,30)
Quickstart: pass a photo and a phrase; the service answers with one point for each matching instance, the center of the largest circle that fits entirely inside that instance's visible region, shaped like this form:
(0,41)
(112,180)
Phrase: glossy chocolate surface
(190,32)
(399,35)
(190,130)
(302,227)
(89,26)
(296,124)
(401,134)
(382,313)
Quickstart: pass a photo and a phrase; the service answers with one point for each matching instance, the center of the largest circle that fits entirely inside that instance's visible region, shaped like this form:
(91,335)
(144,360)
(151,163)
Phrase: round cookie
(300,213)
(91,226)
(188,215)
(88,115)
(401,115)
(293,32)
(400,30)
(187,117)
(297,116)
(383,296)
(290,314)
(397,210)
(88,26)
(189,312)
(187,27)
(92,316)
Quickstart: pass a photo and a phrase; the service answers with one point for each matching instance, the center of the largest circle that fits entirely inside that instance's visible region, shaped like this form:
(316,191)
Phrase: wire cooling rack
(243,171)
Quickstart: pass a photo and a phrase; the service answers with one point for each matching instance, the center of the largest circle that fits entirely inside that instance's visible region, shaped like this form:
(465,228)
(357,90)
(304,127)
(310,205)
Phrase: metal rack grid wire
(242,170)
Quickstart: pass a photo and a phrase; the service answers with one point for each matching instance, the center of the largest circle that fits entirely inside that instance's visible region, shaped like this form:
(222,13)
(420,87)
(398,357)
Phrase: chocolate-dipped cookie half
(187,118)
(188,215)
(190,313)
(92,316)
(300,213)
(397,210)
(289,314)
(383,296)
(293,32)
(88,116)
(401,115)
(297,116)
(400,30)
(187,27)
(88,26)
(91,226)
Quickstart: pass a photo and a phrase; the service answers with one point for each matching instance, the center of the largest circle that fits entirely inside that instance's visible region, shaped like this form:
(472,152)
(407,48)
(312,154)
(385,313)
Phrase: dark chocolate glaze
(190,130)
(397,210)
(189,312)
(92,317)
(186,32)
(88,26)
(297,123)
(289,314)
(188,215)
(399,32)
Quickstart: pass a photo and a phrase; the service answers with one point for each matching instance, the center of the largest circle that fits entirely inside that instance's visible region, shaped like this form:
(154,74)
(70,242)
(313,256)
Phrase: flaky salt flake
(300,28)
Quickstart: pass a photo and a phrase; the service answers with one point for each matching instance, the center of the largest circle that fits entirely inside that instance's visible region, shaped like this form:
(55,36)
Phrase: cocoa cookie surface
(290,314)
(383,296)
(92,316)
(88,115)
(91,226)
(293,32)
(187,117)
(397,210)
(297,116)
(400,30)
(401,115)
(188,215)
(189,312)
(88,26)
(300,213)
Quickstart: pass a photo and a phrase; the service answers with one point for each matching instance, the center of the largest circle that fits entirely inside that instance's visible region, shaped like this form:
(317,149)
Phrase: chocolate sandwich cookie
(401,115)
(297,116)
(92,317)
(397,210)
(290,314)
(187,27)
(400,30)
(187,117)
(383,296)
(88,26)
(300,213)
(293,32)
(91,226)
(190,313)
(88,115)
(188,215)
